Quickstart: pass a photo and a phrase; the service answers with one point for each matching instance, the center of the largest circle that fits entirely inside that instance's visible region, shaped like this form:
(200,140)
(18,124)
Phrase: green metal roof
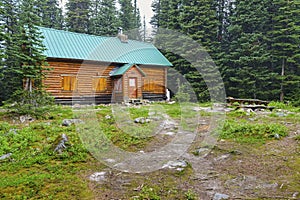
(118,71)
(69,45)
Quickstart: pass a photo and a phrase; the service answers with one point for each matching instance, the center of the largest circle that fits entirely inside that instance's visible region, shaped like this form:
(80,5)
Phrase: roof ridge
(90,35)
(75,33)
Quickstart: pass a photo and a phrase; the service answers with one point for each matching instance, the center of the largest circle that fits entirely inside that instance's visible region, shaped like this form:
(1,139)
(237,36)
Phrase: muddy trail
(229,170)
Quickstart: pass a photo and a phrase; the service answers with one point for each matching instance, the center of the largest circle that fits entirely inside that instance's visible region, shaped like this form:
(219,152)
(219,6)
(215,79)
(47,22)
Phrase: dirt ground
(241,171)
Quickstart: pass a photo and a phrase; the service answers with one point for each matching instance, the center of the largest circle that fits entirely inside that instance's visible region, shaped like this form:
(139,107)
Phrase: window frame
(96,87)
(72,86)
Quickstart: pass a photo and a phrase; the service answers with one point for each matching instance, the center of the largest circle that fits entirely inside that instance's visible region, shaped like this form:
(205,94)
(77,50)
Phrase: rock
(277,136)
(168,133)
(13,131)
(69,122)
(107,117)
(3,157)
(236,152)
(281,114)
(47,123)
(197,109)
(219,196)
(110,160)
(202,151)
(169,125)
(179,165)
(142,120)
(25,118)
(22,119)
(60,143)
(98,176)
(295,195)
(223,157)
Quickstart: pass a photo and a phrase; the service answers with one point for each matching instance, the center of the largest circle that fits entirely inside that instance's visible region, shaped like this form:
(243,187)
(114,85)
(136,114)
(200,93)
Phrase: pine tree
(247,64)
(11,79)
(31,54)
(78,15)
(130,19)
(200,23)
(104,20)
(2,47)
(50,14)
(285,46)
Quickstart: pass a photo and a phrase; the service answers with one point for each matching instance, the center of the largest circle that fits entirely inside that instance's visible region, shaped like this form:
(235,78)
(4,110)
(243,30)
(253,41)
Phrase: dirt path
(241,171)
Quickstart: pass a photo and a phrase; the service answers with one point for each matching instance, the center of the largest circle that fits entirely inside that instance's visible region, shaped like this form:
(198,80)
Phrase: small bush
(35,103)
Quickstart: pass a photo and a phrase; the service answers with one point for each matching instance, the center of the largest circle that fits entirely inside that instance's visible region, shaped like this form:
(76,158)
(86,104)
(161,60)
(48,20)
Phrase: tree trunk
(282,76)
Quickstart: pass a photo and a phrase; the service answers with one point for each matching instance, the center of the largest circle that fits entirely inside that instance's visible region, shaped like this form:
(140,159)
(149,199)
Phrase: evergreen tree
(104,20)
(246,72)
(285,43)
(199,22)
(31,53)
(78,15)
(50,14)
(130,18)
(2,47)
(127,17)
(11,79)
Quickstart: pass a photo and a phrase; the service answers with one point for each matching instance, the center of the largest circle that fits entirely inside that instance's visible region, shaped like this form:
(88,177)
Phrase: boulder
(69,122)
(219,196)
(178,165)
(3,157)
(60,143)
(142,120)
(98,176)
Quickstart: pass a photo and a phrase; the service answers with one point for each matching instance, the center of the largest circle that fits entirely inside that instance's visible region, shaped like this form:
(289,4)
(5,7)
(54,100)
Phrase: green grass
(34,171)
(249,132)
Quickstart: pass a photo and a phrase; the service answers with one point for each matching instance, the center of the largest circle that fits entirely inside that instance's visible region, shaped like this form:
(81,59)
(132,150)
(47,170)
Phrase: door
(132,88)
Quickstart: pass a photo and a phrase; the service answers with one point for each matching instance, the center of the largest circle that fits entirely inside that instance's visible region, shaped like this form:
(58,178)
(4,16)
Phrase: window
(151,85)
(69,83)
(118,85)
(99,84)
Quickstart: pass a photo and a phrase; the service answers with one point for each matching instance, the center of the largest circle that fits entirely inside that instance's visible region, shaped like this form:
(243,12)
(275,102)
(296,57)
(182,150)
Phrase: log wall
(85,73)
(155,80)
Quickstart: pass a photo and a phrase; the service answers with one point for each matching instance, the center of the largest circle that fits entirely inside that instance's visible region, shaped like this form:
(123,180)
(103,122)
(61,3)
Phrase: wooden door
(132,88)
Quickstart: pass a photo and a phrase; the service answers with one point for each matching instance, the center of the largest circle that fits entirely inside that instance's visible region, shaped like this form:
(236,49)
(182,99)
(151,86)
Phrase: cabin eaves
(69,45)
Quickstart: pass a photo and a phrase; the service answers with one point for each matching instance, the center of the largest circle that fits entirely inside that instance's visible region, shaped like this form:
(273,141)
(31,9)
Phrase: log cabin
(95,69)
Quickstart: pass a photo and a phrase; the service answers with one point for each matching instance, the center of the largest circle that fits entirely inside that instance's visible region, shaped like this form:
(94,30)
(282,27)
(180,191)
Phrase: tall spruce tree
(247,63)
(104,19)
(30,41)
(285,43)
(50,14)
(199,22)
(78,15)
(130,19)
(11,79)
(2,47)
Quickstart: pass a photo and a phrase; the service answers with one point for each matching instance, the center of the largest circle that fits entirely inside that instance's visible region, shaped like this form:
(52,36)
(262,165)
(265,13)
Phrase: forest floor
(252,155)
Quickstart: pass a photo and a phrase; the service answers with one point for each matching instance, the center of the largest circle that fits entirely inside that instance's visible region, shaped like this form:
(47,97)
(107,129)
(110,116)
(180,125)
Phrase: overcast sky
(145,9)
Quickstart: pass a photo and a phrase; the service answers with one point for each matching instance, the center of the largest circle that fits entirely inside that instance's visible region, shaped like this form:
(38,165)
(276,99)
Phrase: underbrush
(34,171)
(248,132)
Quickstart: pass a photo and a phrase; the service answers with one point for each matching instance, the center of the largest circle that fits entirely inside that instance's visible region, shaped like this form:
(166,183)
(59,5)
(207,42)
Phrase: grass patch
(245,132)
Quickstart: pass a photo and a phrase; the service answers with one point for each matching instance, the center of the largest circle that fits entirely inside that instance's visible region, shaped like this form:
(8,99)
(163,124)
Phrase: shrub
(35,103)
(246,132)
